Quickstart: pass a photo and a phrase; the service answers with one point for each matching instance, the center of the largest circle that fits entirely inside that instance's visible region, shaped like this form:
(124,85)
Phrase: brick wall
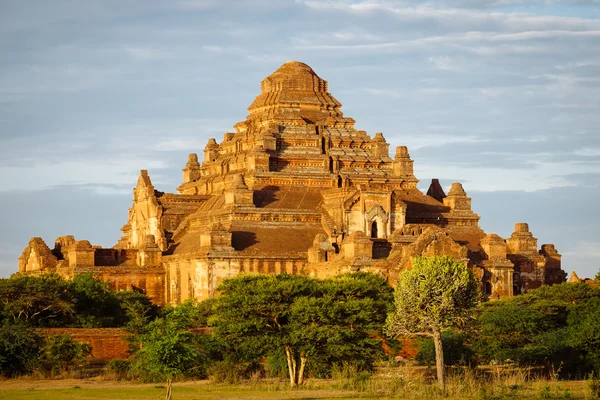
(107,343)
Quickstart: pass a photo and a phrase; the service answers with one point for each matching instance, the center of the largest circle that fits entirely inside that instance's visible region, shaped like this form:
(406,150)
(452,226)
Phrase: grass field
(373,388)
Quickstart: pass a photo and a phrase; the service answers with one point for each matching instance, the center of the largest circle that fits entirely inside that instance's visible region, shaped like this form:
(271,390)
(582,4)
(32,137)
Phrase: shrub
(119,369)
(61,354)
(19,349)
(594,385)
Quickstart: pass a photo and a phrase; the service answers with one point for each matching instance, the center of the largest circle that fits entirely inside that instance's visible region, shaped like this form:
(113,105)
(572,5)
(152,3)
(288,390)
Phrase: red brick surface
(107,343)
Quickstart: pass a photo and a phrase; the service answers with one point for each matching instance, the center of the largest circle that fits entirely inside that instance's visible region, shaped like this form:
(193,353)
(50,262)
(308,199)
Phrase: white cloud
(458,16)
(444,63)
(75,172)
(588,152)
(447,136)
(267,58)
(541,172)
(585,248)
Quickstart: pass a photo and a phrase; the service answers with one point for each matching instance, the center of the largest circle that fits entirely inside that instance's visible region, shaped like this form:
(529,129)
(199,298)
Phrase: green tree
(252,315)
(342,322)
(326,321)
(583,327)
(435,295)
(456,350)
(167,349)
(509,331)
(43,300)
(553,326)
(96,305)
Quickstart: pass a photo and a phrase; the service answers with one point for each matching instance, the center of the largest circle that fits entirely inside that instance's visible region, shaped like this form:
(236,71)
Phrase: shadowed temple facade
(296,189)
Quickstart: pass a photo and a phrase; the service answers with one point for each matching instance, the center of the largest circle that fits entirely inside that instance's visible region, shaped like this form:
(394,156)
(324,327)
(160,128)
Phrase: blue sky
(501,95)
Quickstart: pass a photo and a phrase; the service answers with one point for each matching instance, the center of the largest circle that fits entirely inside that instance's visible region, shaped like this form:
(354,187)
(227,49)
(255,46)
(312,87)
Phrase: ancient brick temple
(296,189)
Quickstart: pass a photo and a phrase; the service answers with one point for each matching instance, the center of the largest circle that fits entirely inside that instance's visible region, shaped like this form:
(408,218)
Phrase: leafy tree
(167,349)
(327,321)
(341,323)
(506,331)
(554,325)
(49,300)
(137,310)
(96,305)
(43,300)
(435,295)
(19,349)
(597,277)
(583,327)
(252,315)
(457,351)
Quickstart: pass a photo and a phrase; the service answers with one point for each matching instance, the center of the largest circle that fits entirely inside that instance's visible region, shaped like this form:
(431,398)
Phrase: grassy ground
(382,386)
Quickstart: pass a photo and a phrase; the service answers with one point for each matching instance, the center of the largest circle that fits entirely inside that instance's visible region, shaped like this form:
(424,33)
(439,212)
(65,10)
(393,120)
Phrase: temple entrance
(374,230)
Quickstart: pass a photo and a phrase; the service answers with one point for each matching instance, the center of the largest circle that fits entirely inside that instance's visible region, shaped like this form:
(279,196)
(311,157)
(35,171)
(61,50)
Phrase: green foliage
(436,294)
(136,311)
(167,349)
(42,300)
(319,322)
(555,326)
(253,311)
(62,354)
(342,321)
(96,305)
(594,385)
(48,300)
(205,310)
(119,368)
(19,349)
(456,350)
(507,332)
(597,276)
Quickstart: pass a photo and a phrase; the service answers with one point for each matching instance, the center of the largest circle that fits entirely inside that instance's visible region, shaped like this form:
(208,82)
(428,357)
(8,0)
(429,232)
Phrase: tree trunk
(169,386)
(291,361)
(301,371)
(439,358)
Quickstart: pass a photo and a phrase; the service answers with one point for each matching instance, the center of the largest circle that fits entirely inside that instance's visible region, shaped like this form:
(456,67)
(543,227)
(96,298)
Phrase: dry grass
(388,383)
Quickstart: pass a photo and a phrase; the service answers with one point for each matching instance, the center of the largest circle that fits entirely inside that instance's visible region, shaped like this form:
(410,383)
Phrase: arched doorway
(374,230)
(488,288)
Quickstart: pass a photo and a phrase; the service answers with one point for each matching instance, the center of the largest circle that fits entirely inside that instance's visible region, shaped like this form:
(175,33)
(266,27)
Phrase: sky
(500,95)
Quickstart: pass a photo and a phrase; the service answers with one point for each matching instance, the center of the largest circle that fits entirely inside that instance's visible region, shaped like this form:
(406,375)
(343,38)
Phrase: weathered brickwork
(107,343)
(297,189)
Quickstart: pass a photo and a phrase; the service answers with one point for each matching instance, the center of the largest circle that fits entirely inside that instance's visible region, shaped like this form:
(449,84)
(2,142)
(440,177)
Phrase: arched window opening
(374,230)
(488,288)
(516,290)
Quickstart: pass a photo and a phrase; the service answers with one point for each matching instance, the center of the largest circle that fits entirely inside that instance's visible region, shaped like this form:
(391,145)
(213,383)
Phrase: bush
(19,350)
(349,376)
(119,369)
(231,371)
(594,385)
(456,351)
(61,354)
